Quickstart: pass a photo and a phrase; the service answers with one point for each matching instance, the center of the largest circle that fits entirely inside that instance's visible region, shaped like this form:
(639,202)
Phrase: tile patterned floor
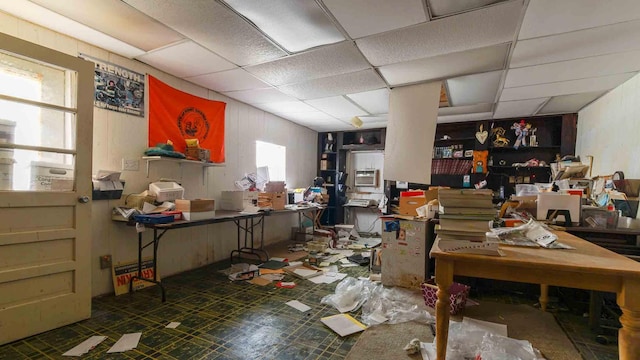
(224,320)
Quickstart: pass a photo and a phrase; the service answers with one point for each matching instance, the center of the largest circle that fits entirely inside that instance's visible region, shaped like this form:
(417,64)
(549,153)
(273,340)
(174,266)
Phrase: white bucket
(6,174)
(7,136)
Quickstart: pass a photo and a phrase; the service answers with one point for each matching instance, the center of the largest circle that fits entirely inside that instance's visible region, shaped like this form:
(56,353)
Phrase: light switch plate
(130,164)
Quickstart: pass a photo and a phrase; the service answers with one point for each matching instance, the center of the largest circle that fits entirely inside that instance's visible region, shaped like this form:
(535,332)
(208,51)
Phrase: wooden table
(589,267)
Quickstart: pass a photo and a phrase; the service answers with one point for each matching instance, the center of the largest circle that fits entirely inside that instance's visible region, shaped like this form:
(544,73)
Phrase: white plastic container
(7,136)
(51,176)
(6,174)
(166,191)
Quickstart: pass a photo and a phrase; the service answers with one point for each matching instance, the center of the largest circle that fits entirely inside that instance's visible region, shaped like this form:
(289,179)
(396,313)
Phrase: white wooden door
(46,118)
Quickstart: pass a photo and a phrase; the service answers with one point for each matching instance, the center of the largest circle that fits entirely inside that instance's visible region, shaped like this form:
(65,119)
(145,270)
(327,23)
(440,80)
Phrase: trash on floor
(85,346)
(126,342)
(343,324)
(172,325)
(260,281)
(298,305)
(476,339)
(242,271)
(286,284)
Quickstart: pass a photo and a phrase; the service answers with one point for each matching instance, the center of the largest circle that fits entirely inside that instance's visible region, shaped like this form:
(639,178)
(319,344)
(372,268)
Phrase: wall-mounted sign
(117,88)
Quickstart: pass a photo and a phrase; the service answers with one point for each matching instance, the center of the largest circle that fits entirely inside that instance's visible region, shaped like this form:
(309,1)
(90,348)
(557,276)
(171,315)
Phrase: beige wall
(117,136)
(609,130)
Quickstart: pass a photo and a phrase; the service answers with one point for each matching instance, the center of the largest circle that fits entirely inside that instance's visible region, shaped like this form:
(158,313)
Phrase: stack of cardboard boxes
(198,209)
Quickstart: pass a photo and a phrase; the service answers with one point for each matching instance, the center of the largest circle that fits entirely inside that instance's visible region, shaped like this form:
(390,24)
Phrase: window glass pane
(37,171)
(274,157)
(30,80)
(32,125)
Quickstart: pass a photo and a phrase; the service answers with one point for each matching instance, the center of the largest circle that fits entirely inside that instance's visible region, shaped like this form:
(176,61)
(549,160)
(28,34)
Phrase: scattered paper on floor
(85,346)
(327,278)
(126,342)
(343,324)
(172,325)
(298,305)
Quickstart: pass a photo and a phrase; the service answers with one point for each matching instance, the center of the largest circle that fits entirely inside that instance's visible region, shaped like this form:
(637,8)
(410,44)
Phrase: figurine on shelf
(533,139)
(500,140)
(522,130)
(328,146)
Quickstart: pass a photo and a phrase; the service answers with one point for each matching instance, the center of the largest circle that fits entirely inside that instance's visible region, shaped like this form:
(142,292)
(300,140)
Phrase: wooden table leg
(629,334)
(544,296)
(444,279)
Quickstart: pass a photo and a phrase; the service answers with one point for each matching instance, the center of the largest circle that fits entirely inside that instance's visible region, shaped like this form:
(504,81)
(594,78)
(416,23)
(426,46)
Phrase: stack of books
(465,218)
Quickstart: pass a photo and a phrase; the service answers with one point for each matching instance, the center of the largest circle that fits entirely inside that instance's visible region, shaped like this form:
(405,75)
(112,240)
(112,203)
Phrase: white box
(166,190)
(238,200)
(51,176)
(6,174)
(198,215)
(556,201)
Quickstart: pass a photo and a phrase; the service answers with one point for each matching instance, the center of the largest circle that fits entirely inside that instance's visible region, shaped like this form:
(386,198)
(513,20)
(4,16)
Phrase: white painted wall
(609,130)
(365,219)
(118,136)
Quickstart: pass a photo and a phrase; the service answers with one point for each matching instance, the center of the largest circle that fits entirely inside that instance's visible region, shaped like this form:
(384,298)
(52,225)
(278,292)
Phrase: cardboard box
(414,199)
(237,200)
(274,187)
(275,201)
(197,205)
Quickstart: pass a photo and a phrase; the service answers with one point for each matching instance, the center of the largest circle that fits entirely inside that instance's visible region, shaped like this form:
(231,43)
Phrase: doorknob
(83,199)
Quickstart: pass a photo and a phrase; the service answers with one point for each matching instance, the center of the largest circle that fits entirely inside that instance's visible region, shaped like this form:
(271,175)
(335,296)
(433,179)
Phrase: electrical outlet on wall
(130,164)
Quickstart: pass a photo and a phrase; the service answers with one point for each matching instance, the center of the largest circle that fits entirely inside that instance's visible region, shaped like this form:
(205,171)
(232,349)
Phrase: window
(274,157)
(37,125)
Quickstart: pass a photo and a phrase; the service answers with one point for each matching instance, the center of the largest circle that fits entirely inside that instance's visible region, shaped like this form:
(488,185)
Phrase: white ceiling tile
(467,109)
(509,109)
(464,117)
(323,62)
(355,15)
(203,18)
(117,19)
(337,106)
(186,59)
(259,96)
(569,103)
(547,17)
(286,107)
(578,44)
(38,15)
(448,7)
(335,85)
(480,28)
(564,87)
(474,89)
(375,101)
(230,80)
(295,24)
(309,117)
(446,66)
(574,69)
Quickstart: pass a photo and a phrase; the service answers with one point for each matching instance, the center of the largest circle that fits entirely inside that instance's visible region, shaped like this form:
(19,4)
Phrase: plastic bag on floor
(379,304)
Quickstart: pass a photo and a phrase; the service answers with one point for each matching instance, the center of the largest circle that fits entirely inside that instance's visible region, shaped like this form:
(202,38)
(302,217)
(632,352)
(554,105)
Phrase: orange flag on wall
(175,115)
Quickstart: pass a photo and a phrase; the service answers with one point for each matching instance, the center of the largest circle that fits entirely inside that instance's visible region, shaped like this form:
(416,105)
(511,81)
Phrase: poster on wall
(123,272)
(117,88)
(177,116)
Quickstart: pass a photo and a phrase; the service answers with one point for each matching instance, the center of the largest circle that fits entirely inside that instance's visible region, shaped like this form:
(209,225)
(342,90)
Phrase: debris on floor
(85,346)
(126,342)
(298,305)
(172,325)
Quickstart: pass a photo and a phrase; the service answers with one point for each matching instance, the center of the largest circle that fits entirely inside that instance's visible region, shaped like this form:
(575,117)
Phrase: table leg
(629,334)
(444,279)
(544,296)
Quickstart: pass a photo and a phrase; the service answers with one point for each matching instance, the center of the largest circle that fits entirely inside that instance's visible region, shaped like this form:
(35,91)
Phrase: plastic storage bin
(166,191)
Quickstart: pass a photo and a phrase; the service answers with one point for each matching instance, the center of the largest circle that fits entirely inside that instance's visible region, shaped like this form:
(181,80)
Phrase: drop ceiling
(319,63)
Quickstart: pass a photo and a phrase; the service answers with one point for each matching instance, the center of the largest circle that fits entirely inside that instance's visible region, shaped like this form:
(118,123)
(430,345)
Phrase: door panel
(45,167)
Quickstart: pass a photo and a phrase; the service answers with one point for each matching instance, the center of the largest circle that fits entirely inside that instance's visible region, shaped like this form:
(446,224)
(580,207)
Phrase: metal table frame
(245,223)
